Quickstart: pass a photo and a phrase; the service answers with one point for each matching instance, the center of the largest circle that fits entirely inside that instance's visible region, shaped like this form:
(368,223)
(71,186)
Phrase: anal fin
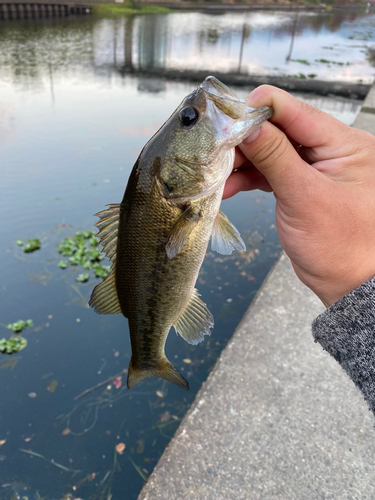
(104,298)
(195,321)
(225,237)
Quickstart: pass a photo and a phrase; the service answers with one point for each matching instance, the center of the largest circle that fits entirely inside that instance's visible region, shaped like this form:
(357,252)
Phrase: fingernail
(252,137)
(251,97)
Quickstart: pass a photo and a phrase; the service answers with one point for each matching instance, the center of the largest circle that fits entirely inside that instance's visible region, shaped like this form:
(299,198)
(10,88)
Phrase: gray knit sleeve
(347,331)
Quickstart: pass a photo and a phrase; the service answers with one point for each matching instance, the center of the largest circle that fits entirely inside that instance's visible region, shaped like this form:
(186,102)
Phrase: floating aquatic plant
(82,251)
(83,277)
(19,325)
(15,344)
(12,345)
(301,61)
(31,245)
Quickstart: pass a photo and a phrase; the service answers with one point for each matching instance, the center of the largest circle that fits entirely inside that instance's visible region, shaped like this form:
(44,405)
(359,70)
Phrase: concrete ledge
(319,87)
(366,117)
(277,417)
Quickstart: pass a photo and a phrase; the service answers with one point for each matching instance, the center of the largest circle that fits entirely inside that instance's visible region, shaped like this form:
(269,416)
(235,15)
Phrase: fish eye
(188,116)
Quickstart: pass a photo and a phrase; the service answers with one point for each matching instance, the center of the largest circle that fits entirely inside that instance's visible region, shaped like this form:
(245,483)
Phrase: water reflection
(326,46)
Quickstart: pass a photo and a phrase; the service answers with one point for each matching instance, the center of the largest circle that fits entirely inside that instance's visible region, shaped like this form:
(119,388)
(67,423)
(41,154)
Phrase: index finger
(298,120)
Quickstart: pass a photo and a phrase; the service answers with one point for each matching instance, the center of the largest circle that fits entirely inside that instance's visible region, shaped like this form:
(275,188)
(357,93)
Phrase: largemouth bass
(157,236)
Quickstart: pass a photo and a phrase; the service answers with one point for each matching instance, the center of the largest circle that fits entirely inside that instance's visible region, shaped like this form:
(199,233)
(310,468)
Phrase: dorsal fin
(104,298)
(195,321)
(108,226)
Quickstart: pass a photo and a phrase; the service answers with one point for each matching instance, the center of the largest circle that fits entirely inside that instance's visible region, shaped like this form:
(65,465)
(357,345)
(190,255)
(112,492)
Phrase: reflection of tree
(29,52)
(128,39)
(245,35)
(33,52)
(371,55)
(295,26)
(152,41)
(212,36)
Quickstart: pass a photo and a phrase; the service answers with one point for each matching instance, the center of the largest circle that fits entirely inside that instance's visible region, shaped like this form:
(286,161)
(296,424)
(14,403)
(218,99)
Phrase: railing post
(12,11)
(4,11)
(36,10)
(21,11)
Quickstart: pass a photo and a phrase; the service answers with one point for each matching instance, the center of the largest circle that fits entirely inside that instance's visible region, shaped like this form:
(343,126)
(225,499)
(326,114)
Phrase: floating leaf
(82,278)
(12,345)
(52,386)
(19,325)
(165,417)
(32,245)
(141,446)
(63,264)
(65,432)
(117,382)
(120,447)
(9,364)
(19,243)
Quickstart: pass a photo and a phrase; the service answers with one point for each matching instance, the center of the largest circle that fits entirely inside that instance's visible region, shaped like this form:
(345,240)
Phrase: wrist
(332,293)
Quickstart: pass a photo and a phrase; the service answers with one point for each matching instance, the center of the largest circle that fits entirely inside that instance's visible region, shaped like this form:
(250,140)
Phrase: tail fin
(163,369)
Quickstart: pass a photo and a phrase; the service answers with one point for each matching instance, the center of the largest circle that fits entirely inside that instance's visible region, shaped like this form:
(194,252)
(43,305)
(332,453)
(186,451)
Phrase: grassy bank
(127,8)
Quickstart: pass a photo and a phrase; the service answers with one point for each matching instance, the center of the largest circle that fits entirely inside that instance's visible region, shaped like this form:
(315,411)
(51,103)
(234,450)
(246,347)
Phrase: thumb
(271,152)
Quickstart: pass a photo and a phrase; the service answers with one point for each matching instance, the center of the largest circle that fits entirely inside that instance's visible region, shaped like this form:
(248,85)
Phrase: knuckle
(309,109)
(363,143)
(275,148)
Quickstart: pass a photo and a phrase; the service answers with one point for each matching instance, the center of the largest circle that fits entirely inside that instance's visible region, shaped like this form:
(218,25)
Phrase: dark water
(75,112)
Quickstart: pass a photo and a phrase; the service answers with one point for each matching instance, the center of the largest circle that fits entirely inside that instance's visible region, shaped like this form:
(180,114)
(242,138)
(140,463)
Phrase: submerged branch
(98,386)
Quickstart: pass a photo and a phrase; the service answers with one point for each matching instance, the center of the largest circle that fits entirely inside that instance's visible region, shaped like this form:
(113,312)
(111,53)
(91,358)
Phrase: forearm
(347,331)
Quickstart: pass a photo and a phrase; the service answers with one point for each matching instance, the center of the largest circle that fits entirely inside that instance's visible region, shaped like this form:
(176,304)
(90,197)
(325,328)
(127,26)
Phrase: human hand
(322,173)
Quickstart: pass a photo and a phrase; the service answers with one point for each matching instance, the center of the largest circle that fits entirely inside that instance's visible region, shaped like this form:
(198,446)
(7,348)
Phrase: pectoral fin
(195,321)
(181,231)
(225,237)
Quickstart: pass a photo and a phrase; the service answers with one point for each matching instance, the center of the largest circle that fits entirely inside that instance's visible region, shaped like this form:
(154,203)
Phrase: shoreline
(243,7)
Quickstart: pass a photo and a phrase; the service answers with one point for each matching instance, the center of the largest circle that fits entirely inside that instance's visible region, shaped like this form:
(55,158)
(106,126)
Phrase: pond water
(72,123)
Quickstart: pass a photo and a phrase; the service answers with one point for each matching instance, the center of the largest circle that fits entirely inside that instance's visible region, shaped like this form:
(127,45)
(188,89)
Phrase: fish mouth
(214,87)
(227,102)
(223,98)
(246,119)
